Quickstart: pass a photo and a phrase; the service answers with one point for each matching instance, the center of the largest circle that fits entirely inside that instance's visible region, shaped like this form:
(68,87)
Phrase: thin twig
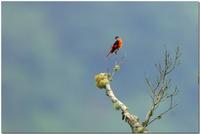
(158,91)
(160,115)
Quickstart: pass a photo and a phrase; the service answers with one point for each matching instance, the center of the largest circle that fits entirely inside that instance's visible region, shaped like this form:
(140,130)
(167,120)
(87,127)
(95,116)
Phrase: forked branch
(159,91)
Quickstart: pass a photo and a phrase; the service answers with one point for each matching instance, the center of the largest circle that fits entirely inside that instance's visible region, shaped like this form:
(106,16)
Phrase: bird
(116,46)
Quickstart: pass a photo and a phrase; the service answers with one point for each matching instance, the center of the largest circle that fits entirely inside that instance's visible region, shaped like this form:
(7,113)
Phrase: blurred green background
(52,50)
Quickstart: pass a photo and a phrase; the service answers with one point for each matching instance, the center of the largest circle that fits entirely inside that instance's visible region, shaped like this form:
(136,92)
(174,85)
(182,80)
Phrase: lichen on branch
(103,82)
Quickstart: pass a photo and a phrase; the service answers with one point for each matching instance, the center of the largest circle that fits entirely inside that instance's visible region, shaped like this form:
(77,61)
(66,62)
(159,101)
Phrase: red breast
(120,42)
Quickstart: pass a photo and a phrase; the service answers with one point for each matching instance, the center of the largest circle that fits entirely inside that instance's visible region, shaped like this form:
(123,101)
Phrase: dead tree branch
(159,90)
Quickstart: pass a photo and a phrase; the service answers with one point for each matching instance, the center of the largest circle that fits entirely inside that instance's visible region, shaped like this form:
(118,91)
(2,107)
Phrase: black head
(116,37)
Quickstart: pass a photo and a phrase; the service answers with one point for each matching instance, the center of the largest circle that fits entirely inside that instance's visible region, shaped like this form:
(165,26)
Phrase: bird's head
(116,37)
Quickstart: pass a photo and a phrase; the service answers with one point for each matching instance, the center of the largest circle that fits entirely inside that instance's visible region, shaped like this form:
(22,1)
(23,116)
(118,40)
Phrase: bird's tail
(108,54)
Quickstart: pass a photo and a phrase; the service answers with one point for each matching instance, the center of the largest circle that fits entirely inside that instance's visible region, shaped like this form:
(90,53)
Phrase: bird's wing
(115,45)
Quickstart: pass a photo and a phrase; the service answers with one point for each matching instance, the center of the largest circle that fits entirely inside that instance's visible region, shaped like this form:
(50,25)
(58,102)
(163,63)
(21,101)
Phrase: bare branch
(160,115)
(131,119)
(159,90)
(151,91)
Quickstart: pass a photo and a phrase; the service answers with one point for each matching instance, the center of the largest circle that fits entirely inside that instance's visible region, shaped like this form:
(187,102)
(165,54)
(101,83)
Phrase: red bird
(116,46)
